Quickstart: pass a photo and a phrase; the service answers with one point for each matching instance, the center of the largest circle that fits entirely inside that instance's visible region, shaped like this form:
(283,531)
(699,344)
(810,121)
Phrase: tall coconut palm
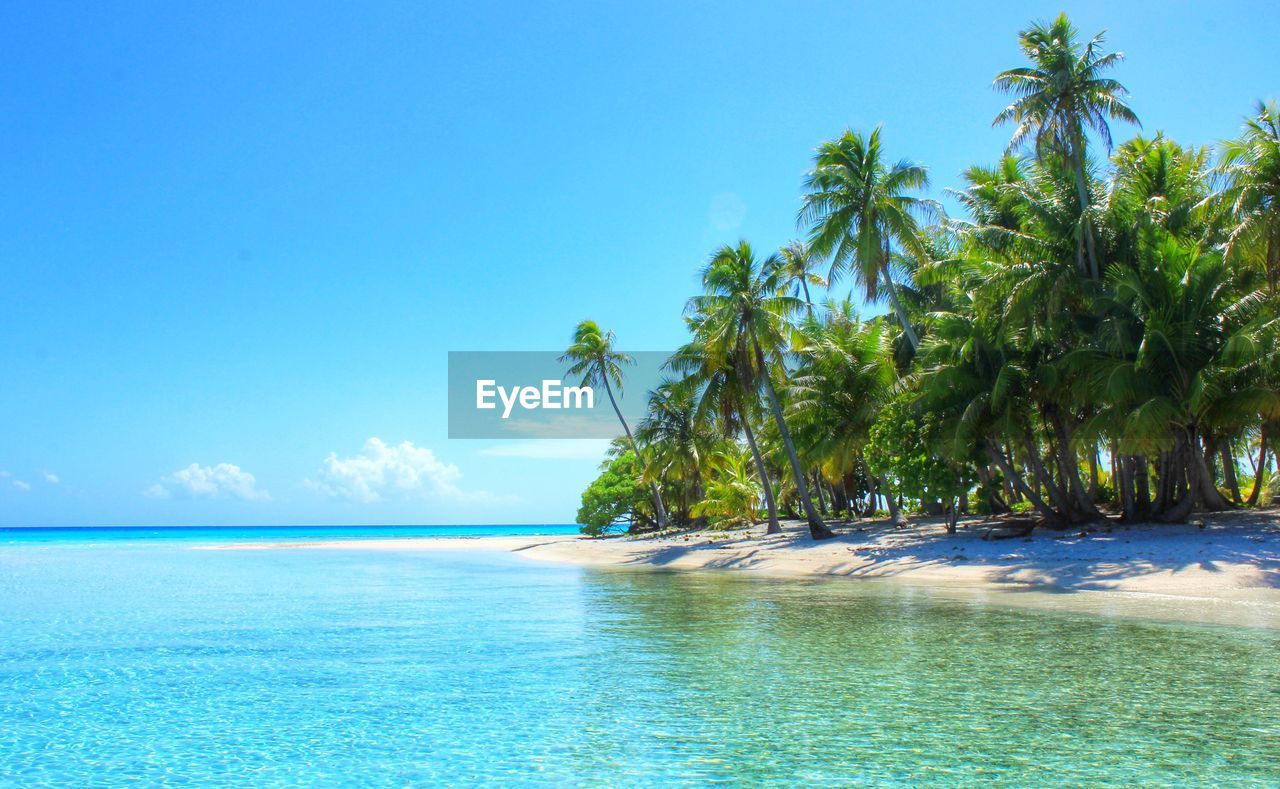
(1060,95)
(725,397)
(1251,165)
(800,263)
(859,207)
(744,316)
(593,357)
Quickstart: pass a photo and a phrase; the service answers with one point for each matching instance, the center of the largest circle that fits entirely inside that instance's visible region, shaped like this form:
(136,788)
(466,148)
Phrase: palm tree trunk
(1229,472)
(818,494)
(1123,483)
(907,328)
(1204,482)
(1180,468)
(770,504)
(1056,494)
(1016,479)
(807,302)
(659,509)
(1261,469)
(1086,227)
(1069,468)
(1093,471)
(1142,486)
(817,529)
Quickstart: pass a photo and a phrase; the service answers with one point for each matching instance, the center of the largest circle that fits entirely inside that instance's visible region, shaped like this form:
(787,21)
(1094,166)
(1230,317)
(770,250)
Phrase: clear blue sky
(248,233)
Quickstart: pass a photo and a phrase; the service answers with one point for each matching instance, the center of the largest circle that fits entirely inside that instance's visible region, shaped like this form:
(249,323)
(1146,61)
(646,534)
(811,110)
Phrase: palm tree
(799,262)
(844,376)
(1057,97)
(744,312)
(722,387)
(594,358)
(859,207)
(1251,165)
(1183,354)
(677,441)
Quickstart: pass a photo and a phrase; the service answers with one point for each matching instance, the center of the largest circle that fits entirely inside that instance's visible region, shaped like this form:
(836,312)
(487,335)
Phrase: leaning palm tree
(859,207)
(721,388)
(799,262)
(594,358)
(1251,165)
(1060,95)
(744,314)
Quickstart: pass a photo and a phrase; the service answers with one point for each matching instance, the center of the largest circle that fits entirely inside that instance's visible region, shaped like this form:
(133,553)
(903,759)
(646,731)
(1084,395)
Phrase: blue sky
(240,238)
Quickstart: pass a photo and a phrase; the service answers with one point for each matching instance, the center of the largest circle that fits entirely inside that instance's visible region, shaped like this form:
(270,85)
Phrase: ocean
(139,655)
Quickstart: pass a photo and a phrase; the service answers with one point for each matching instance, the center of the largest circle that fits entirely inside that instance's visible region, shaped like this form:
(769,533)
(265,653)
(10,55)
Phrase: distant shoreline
(1225,573)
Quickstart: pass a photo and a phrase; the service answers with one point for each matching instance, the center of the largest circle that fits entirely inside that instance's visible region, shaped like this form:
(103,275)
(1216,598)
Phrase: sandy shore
(1226,571)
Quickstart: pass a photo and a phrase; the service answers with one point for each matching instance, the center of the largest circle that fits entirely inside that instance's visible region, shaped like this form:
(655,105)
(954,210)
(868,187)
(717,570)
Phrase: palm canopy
(678,440)
(800,263)
(858,205)
(593,356)
(1062,92)
(845,374)
(725,392)
(1251,166)
(743,299)
(744,316)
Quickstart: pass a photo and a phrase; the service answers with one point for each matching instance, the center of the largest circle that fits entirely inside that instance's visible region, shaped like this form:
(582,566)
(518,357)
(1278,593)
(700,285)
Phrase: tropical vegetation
(1089,334)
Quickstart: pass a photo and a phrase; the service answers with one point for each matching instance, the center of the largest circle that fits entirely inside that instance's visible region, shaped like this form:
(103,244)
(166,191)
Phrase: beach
(1221,570)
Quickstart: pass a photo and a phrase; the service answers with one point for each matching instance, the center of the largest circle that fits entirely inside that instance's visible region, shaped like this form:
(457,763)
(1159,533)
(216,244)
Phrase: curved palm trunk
(658,508)
(1011,474)
(1259,471)
(817,529)
(1056,493)
(774,526)
(1069,469)
(907,328)
(1208,492)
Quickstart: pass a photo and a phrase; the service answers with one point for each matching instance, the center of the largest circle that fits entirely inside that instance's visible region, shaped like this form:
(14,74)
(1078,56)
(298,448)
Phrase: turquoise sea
(136,656)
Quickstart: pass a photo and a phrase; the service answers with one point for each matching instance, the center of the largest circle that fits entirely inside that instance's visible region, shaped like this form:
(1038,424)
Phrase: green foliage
(1085,302)
(617,496)
(732,495)
(903,449)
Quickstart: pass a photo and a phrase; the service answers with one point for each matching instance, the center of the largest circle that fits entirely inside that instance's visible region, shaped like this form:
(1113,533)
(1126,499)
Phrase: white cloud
(551,449)
(380,472)
(51,478)
(4,474)
(225,480)
(22,486)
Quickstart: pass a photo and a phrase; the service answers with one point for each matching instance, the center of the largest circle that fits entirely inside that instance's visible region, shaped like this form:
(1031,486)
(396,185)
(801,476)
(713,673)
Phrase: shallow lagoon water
(146,659)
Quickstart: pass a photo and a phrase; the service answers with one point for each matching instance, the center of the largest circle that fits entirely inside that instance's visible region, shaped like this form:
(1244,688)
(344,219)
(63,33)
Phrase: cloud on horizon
(222,481)
(381,472)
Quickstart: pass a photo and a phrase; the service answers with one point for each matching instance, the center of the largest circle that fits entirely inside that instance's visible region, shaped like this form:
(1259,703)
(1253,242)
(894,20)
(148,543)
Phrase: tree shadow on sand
(1044,561)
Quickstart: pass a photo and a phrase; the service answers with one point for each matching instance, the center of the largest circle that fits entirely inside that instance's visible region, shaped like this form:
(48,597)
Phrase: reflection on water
(161,663)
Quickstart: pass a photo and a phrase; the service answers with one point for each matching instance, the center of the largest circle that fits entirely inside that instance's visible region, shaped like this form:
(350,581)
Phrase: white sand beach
(1224,570)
